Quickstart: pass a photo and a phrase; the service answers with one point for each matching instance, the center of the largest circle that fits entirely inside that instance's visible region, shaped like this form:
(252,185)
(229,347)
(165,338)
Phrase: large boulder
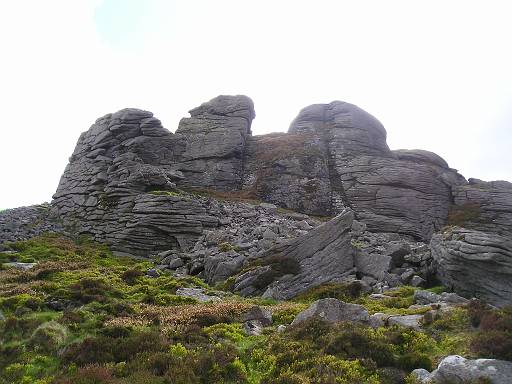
(402,191)
(475,264)
(119,187)
(216,134)
(458,370)
(333,311)
(484,206)
(348,128)
(323,255)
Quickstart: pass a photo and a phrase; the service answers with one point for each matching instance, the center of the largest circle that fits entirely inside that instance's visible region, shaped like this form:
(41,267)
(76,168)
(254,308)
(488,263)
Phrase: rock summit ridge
(144,191)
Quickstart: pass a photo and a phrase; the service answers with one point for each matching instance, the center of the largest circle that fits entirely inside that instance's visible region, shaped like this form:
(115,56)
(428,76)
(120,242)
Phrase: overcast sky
(437,74)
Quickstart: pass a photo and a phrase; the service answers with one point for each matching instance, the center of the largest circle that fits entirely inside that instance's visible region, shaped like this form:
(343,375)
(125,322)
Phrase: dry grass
(31,278)
(174,318)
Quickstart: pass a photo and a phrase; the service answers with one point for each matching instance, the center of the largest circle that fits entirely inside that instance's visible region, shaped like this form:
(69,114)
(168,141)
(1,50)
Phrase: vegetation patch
(83,316)
(462,214)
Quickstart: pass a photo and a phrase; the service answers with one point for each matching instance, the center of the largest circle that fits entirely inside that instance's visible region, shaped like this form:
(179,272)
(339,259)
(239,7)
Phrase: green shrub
(89,289)
(48,336)
(494,338)
(22,300)
(131,275)
(340,291)
(232,332)
(355,341)
(311,330)
(105,349)
(461,214)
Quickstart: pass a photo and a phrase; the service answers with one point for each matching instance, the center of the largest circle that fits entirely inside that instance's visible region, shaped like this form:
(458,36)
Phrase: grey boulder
(458,370)
(333,311)
(475,264)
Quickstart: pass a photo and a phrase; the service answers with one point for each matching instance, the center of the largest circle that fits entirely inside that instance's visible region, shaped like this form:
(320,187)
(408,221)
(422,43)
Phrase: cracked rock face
(475,264)
(455,369)
(215,141)
(104,189)
(485,206)
(401,191)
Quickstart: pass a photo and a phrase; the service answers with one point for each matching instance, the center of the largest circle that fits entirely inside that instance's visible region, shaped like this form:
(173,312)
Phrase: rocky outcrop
(26,222)
(334,156)
(215,139)
(458,370)
(475,264)
(333,311)
(391,259)
(133,184)
(405,192)
(323,255)
(484,206)
(289,170)
(107,189)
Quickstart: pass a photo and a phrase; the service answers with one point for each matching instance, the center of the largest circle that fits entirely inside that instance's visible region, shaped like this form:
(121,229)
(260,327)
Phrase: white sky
(437,74)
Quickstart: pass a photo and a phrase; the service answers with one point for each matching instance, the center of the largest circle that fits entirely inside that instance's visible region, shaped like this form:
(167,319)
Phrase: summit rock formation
(398,216)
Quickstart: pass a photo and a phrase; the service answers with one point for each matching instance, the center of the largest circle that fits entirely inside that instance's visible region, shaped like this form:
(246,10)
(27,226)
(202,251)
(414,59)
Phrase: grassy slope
(122,326)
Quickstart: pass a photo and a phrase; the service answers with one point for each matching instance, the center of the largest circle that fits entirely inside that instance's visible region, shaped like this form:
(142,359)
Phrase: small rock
(397,252)
(22,266)
(176,263)
(260,314)
(378,320)
(196,268)
(153,272)
(269,234)
(196,293)
(407,275)
(455,369)
(334,311)
(408,321)
(417,281)
(249,214)
(358,228)
(253,328)
(453,298)
(425,297)
(281,328)
(379,296)
(269,207)
(304,225)
(421,374)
